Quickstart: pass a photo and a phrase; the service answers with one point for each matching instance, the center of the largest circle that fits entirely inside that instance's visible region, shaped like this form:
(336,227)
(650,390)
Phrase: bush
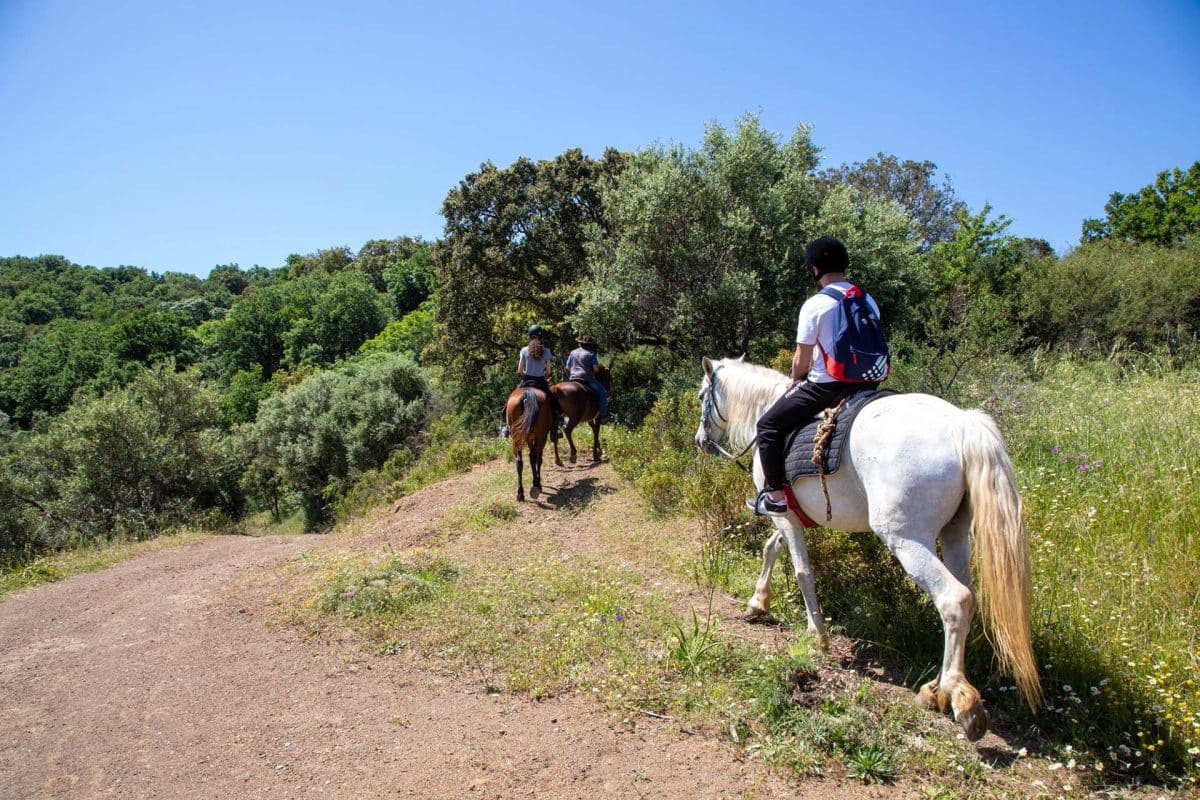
(129,463)
(1109,296)
(317,436)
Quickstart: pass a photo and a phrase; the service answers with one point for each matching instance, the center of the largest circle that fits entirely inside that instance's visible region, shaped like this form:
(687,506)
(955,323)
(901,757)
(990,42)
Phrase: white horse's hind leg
(956,545)
(794,534)
(955,604)
(760,602)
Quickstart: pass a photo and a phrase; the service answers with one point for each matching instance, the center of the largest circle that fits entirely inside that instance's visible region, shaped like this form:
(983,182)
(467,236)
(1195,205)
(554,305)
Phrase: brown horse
(528,415)
(581,404)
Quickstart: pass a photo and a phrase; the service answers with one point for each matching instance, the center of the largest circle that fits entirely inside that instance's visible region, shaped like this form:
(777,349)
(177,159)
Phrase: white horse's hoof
(755,614)
(931,698)
(969,711)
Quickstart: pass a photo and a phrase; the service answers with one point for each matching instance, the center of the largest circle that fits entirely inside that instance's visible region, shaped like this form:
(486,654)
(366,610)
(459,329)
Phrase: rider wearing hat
(582,363)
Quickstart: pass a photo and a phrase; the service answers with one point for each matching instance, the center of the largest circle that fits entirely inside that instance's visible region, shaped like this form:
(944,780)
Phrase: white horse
(914,470)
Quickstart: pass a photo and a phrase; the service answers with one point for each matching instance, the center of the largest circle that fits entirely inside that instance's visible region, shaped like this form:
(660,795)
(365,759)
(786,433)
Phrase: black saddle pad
(799,445)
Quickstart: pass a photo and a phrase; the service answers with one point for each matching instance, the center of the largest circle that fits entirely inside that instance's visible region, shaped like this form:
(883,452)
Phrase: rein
(706,414)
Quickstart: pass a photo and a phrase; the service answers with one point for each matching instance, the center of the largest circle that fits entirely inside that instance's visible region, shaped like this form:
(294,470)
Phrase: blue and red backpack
(860,353)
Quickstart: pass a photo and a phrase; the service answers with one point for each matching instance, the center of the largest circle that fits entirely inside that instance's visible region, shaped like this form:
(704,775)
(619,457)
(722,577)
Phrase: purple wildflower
(1083,467)
(620,617)
(1055,449)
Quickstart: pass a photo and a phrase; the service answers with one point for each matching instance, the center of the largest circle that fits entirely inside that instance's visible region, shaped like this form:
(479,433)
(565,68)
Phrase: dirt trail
(162,677)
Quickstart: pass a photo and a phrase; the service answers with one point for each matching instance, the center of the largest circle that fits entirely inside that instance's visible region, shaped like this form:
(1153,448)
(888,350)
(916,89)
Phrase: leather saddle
(798,462)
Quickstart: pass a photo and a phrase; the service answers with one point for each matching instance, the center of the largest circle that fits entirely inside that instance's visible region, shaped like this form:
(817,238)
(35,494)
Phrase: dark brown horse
(580,404)
(528,416)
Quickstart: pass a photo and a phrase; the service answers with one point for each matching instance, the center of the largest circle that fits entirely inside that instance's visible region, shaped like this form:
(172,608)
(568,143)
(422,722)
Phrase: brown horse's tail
(522,430)
(1003,551)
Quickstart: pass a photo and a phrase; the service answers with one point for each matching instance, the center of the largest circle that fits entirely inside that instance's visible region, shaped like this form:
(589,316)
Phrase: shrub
(128,463)
(1109,296)
(317,436)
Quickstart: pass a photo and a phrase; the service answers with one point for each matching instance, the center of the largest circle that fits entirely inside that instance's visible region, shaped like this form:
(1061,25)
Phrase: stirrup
(764,506)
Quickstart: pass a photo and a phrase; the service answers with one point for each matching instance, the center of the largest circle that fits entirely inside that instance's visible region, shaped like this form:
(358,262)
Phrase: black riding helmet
(535,331)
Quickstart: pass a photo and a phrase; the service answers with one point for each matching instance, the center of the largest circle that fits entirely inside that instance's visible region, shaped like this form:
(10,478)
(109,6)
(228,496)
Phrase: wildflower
(1083,467)
(1055,449)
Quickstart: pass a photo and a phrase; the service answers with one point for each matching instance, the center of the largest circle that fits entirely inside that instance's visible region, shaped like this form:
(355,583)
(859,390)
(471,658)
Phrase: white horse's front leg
(793,532)
(760,602)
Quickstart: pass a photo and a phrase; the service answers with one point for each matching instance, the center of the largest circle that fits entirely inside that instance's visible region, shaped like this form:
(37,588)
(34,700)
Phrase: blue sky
(182,135)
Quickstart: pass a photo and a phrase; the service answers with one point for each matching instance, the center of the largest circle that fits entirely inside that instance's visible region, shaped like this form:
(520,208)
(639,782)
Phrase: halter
(707,410)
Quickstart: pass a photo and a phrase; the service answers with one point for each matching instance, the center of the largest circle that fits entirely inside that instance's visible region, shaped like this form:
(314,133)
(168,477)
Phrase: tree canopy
(1165,212)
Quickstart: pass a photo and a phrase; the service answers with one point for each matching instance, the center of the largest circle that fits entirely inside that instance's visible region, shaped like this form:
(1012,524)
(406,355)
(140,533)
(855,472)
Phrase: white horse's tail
(1003,552)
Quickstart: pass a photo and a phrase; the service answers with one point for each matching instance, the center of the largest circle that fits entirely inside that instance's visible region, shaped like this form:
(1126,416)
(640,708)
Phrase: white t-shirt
(816,327)
(534,368)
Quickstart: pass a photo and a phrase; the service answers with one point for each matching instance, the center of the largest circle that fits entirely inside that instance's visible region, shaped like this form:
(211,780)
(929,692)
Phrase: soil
(168,676)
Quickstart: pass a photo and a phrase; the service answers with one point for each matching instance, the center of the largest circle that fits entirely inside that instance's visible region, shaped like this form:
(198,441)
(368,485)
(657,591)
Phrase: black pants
(798,405)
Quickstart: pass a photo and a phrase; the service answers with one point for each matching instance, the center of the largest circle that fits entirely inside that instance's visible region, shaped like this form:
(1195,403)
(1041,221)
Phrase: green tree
(409,334)
(330,260)
(53,365)
(912,184)
(410,280)
(1110,295)
(148,336)
(33,307)
(707,245)
(376,256)
(126,463)
(1165,212)
(314,437)
(344,314)
(981,254)
(253,331)
(514,251)
(246,390)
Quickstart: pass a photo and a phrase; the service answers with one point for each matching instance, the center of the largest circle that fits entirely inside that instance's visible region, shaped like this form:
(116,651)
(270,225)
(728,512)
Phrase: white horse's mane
(747,390)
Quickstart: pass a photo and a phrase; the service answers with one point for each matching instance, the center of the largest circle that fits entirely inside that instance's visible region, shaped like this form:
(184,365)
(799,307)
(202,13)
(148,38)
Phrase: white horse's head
(733,395)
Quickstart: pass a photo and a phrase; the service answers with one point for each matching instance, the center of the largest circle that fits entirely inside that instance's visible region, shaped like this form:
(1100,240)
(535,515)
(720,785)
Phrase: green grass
(1108,456)
(1110,469)
(540,623)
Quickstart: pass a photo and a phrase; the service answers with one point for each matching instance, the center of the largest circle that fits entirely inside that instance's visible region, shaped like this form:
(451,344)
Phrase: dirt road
(162,678)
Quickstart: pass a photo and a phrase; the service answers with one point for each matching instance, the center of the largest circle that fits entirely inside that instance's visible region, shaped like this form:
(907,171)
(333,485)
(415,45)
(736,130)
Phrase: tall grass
(1109,461)
(1110,467)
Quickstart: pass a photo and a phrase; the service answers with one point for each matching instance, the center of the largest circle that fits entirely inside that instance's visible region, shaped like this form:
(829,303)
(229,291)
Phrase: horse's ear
(742,357)
(708,365)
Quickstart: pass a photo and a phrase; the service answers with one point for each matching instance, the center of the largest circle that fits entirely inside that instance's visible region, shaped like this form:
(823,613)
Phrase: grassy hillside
(592,592)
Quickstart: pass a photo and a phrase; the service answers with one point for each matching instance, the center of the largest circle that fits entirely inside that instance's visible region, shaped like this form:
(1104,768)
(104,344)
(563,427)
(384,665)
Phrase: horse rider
(581,364)
(535,366)
(813,389)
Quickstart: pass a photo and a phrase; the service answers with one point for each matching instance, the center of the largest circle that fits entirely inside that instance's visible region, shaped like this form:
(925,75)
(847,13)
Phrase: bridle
(710,409)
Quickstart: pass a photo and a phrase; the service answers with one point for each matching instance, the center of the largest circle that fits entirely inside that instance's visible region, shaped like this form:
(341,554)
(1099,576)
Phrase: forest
(135,401)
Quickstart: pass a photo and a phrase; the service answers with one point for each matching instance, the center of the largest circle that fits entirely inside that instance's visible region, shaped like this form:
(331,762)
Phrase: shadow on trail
(576,495)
